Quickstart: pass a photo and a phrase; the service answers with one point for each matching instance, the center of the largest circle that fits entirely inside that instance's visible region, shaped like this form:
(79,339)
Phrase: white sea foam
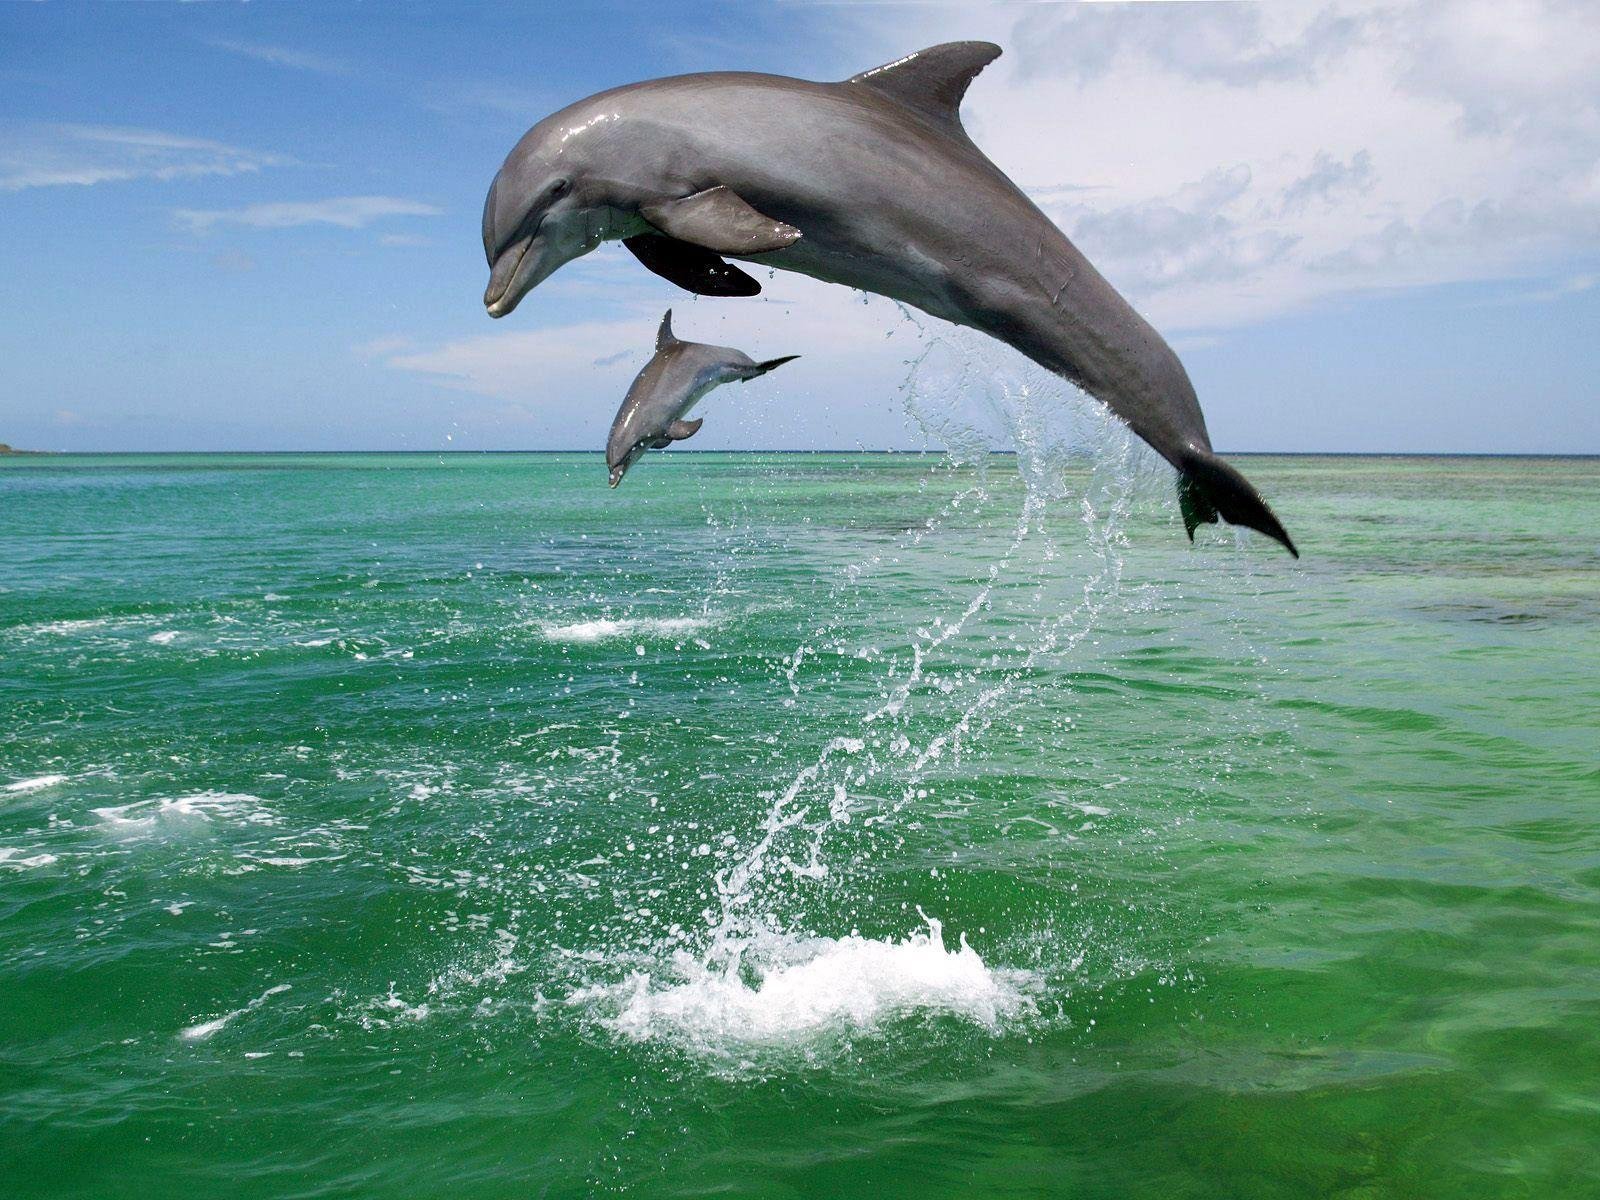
(808,990)
(166,637)
(171,814)
(200,1031)
(11,857)
(37,783)
(293,861)
(603,629)
(112,626)
(67,628)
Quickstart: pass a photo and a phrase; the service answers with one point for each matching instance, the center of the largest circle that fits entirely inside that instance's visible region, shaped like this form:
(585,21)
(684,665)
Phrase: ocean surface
(796,826)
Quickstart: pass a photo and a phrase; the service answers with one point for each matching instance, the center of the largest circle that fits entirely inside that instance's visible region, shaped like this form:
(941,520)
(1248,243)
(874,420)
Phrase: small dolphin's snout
(617,472)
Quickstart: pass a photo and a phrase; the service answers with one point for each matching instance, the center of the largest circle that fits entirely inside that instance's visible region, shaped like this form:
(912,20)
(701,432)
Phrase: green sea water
(794,826)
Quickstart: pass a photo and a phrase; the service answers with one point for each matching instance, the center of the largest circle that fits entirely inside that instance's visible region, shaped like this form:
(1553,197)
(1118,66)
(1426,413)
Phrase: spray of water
(759,979)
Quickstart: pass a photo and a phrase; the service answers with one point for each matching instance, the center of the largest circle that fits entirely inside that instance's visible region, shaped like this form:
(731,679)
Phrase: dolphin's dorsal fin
(664,336)
(932,81)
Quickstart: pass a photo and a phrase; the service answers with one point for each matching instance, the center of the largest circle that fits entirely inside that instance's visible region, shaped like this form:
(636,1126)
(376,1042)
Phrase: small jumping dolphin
(871,183)
(672,382)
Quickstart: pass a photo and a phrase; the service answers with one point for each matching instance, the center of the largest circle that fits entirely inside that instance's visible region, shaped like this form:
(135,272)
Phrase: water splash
(760,979)
(172,815)
(809,988)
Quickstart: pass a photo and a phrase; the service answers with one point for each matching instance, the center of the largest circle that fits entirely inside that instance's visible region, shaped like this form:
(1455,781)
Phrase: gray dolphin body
(672,382)
(871,183)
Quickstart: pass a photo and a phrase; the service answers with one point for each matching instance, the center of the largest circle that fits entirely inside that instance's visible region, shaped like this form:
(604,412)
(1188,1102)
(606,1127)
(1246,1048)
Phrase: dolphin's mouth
(509,278)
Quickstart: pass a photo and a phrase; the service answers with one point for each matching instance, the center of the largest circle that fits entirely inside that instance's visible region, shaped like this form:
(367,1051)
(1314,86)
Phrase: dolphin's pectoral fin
(679,430)
(1209,487)
(932,81)
(660,443)
(720,221)
(693,268)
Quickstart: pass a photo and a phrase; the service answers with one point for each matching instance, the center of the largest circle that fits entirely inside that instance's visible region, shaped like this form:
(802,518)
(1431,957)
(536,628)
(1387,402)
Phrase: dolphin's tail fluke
(761,368)
(1209,488)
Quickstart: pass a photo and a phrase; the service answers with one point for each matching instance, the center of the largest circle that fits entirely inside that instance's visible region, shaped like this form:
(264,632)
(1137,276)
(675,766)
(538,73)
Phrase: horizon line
(16,452)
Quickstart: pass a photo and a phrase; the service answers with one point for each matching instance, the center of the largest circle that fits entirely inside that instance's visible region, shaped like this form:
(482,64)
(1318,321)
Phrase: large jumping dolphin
(672,382)
(871,183)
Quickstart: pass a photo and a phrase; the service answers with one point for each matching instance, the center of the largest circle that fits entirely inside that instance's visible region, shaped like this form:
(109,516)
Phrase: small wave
(166,637)
(63,628)
(10,857)
(292,861)
(175,813)
(812,989)
(604,628)
(90,629)
(204,1029)
(36,784)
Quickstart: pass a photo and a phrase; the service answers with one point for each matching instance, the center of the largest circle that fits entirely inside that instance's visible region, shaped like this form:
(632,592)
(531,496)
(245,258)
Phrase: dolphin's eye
(560,188)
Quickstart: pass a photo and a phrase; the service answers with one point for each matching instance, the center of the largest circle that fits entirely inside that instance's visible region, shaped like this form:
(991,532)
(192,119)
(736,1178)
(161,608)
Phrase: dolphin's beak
(617,472)
(514,275)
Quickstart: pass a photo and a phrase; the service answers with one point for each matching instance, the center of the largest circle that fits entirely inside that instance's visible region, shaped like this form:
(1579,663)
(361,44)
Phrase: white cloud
(55,155)
(282,56)
(1225,163)
(1237,44)
(1328,181)
(380,348)
(497,96)
(1560,290)
(347,212)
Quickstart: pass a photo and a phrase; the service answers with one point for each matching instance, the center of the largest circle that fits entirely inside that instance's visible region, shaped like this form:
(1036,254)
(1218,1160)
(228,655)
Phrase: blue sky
(1365,226)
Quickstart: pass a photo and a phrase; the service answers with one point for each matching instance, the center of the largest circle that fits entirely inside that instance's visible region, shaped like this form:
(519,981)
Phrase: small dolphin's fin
(1209,487)
(664,336)
(693,268)
(932,81)
(720,221)
(679,430)
(761,368)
